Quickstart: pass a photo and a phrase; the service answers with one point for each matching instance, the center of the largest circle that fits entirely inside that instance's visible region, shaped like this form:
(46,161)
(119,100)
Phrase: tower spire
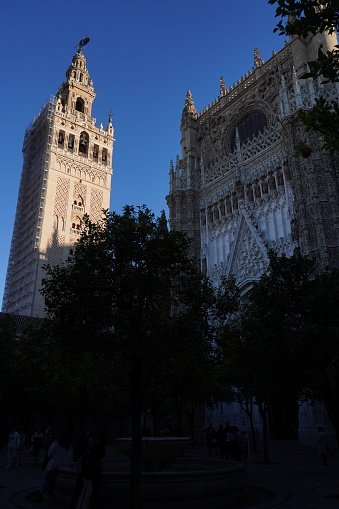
(258,61)
(78,91)
(189,105)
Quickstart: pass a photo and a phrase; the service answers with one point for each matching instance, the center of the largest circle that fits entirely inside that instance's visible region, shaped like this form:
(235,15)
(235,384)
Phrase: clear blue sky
(142,58)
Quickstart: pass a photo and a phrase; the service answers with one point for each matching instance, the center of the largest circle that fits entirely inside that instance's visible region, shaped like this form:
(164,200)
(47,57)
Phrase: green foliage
(324,118)
(325,67)
(306,16)
(130,300)
(285,342)
(7,358)
(22,367)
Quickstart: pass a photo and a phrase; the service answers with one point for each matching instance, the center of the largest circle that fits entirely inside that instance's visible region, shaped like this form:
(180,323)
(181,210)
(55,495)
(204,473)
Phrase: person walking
(22,436)
(236,444)
(13,445)
(37,441)
(58,456)
(90,472)
(322,446)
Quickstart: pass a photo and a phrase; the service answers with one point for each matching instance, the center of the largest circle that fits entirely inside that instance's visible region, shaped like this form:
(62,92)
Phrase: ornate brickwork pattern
(61,197)
(55,249)
(95,211)
(79,191)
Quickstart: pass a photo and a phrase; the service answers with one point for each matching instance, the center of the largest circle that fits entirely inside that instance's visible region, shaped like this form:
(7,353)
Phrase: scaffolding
(24,253)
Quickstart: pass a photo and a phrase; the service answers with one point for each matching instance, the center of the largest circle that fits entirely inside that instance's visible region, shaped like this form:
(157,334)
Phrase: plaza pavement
(293,480)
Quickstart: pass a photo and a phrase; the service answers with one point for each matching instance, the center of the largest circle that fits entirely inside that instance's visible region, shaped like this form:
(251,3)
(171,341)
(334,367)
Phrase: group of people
(227,442)
(88,452)
(15,444)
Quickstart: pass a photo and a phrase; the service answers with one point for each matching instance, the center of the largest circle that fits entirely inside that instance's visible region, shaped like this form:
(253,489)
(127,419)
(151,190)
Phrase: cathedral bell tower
(66,173)
(78,92)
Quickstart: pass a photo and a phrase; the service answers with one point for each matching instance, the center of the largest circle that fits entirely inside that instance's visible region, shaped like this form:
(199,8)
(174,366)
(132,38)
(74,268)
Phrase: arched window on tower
(78,204)
(61,139)
(76,227)
(104,156)
(83,143)
(80,105)
(249,126)
(71,142)
(95,152)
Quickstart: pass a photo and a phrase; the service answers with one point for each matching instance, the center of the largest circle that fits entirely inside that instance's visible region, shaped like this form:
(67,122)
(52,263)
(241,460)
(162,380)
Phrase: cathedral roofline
(260,68)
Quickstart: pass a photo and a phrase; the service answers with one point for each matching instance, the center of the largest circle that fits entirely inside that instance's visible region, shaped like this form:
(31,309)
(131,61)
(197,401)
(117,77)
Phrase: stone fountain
(170,480)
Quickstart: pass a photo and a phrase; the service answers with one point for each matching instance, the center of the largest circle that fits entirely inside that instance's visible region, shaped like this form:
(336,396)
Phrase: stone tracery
(259,177)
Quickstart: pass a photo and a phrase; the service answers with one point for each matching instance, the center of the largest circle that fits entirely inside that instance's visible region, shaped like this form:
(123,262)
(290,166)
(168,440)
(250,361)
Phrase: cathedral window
(95,152)
(80,105)
(271,183)
(104,156)
(249,126)
(249,194)
(280,179)
(83,143)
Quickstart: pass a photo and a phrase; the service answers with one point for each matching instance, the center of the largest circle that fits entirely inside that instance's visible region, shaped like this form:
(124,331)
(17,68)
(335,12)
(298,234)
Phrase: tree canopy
(284,344)
(131,296)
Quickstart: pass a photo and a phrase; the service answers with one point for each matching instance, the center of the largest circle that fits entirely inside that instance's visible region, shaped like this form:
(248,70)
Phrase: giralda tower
(66,173)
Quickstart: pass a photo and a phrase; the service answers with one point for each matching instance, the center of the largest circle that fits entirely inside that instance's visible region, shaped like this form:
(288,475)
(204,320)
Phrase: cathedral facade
(66,173)
(238,189)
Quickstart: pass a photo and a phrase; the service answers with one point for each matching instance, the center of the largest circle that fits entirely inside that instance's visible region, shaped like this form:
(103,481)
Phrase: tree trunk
(254,438)
(179,416)
(155,418)
(248,409)
(191,419)
(137,446)
(333,413)
(263,414)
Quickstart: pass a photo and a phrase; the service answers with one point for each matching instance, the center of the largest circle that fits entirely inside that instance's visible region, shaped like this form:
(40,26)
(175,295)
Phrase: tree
(261,349)
(307,17)
(127,289)
(21,367)
(321,350)
(284,345)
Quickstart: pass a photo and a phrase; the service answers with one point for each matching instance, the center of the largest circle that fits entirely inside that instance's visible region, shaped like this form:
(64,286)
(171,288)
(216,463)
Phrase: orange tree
(127,286)
(283,346)
(264,348)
